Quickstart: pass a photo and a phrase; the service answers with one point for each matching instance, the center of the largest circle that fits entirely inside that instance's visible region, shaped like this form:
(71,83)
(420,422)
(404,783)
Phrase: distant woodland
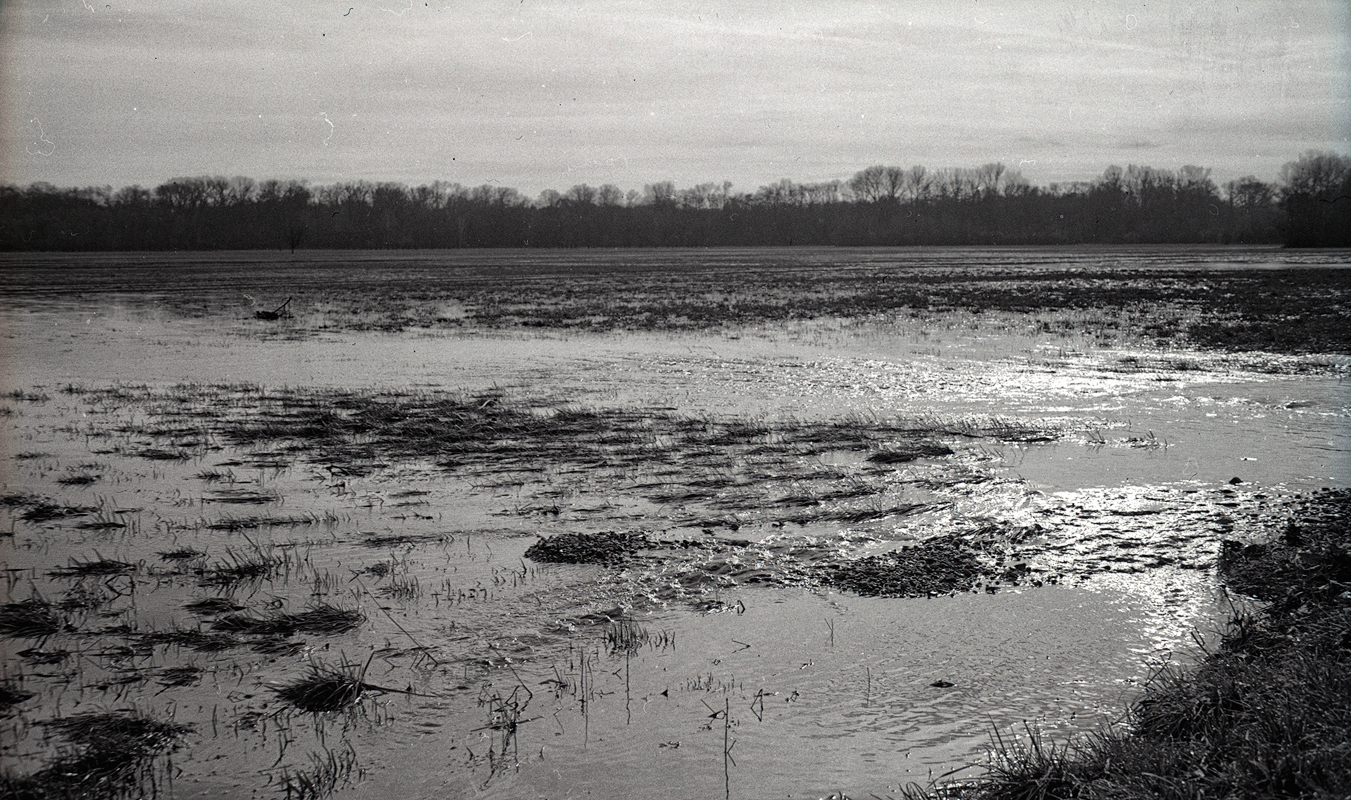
(1309,206)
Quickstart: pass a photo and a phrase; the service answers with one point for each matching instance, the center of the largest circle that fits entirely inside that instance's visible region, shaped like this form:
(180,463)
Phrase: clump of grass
(171,677)
(100,567)
(213,605)
(11,695)
(910,452)
(43,511)
(38,656)
(101,525)
(253,522)
(215,476)
(113,756)
(79,479)
(87,596)
(243,497)
(380,569)
(326,774)
(322,619)
(627,636)
(180,554)
(397,539)
(28,397)
(277,646)
(240,568)
(160,454)
(402,587)
(32,619)
(329,688)
(199,641)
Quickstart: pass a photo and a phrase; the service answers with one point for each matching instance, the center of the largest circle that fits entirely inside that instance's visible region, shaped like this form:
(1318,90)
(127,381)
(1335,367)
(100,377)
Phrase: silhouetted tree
(1316,193)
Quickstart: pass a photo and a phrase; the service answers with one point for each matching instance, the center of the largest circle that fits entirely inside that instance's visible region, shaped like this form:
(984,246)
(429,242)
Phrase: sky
(546,95)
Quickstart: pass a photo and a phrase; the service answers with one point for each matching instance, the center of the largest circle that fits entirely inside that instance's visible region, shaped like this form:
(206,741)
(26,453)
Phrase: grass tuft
(329,688)
(322,619)
(31,619)
(11,695)
(100,567)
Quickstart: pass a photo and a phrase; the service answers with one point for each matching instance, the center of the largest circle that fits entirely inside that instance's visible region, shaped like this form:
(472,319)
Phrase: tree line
(1310,205)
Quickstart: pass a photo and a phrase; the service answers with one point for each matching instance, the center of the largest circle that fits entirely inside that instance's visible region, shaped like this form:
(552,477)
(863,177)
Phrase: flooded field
(750,524)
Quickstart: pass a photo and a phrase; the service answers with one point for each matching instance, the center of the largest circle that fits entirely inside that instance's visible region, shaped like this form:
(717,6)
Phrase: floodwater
(683,675)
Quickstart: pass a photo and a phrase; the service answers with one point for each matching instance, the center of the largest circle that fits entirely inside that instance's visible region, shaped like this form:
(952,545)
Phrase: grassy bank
(1266,714)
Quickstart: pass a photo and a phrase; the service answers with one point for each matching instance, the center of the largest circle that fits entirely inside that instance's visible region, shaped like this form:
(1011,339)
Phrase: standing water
(770,523)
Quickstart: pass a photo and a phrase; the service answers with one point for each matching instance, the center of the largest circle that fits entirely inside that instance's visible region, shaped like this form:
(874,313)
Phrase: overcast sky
(544,95)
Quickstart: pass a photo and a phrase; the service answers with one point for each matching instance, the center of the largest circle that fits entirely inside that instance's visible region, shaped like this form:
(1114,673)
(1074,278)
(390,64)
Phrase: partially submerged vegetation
(109,755)
(1267,714)
(31,619)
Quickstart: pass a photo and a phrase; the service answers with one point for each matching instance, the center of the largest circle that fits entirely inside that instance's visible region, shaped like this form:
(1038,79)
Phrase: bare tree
(869,185)
(581,195)
(918,184)
(661,193)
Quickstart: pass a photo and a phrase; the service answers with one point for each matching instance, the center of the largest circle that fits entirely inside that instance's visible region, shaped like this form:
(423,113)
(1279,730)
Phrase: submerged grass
(322,619)
(1265,715)
(352,431)
(112,756)
(31,619)
(332,688)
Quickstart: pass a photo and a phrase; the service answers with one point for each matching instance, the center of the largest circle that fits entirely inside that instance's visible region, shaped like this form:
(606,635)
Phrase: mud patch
(925,570)
(1310,552)
(588,548)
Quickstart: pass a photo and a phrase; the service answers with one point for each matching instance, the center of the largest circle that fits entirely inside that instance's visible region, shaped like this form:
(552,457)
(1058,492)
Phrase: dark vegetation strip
(1302,308)
(485,434)
(1267,714)
(886,206)
(1305,309)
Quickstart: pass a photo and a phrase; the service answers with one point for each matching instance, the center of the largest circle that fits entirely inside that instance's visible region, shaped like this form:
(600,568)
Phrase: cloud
(630,92)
